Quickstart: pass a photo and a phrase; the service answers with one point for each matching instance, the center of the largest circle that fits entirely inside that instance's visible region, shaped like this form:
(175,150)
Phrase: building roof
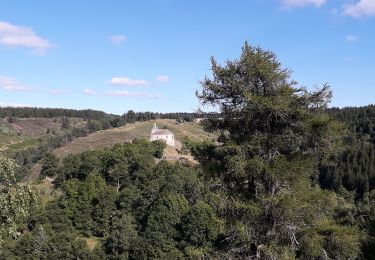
(162,132)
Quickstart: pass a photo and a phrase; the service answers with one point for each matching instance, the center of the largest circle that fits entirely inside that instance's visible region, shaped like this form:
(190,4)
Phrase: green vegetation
(8,139)
(50,163)
(12,149)
(32,112)
(17,202)
(278,176)
(134,206)
(354,167)
(273,136)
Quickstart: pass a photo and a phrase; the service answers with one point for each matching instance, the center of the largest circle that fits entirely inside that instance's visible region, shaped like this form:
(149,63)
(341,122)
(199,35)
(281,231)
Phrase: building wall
(169,139)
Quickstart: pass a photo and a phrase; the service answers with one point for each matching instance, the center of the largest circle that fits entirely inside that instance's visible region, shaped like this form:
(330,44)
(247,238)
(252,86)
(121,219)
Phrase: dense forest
(89,114)
(288,178)
(27,112)
(354,167)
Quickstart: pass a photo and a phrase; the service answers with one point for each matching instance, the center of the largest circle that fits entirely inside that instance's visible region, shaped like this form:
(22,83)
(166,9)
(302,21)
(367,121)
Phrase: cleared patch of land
(92,242)
(21,133)
(110,137)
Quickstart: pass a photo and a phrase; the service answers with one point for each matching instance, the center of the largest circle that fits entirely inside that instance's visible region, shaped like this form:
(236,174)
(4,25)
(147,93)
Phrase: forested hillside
(29,112)
(286,178)
(28,134)
(354,167)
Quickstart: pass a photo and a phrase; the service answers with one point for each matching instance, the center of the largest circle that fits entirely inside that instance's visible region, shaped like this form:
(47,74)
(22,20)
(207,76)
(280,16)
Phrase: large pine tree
(272,136)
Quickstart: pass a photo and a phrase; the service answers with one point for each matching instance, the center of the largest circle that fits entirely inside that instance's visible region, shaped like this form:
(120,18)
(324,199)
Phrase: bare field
(92,242)
(36,126)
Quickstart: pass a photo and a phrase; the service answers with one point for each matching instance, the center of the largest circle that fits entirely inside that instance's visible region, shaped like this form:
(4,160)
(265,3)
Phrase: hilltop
(141,130)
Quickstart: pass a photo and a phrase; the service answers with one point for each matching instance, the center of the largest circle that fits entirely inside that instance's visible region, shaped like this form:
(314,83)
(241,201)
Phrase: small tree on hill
(65,123)
(50,163)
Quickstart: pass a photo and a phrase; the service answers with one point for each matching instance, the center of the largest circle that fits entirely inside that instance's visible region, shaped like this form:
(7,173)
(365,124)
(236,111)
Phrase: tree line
(29,112)
(89,114)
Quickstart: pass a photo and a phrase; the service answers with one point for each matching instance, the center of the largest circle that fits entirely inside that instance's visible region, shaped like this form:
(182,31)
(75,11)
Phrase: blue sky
(150,55)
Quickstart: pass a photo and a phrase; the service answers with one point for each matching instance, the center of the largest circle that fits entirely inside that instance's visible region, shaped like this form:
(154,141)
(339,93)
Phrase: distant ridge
(28,112)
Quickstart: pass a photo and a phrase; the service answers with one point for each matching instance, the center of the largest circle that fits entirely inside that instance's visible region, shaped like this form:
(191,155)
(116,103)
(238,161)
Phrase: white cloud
(5,104)
(351,38)
(89,92)
(125,93)
(123,81)
(11,84)
(117,38)
(300,3)
(162,78)
(360,9)
(20,36)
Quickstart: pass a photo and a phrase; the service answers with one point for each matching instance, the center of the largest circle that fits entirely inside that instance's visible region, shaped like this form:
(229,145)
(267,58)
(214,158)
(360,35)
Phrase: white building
(162,134)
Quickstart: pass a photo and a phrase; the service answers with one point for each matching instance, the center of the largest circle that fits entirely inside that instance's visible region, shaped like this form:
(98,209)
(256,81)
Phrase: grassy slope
(110,137)
(27,132)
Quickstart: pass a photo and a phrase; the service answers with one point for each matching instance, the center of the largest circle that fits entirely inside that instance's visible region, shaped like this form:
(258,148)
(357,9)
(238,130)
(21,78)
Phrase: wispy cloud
(117,38)
(360,9)
(89,92)
(121,93)
(11,84)
(123,81)
(20,36)
(5,104)
(125,93)
(162,78)
(58,92)
(351,38)
(301,3)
